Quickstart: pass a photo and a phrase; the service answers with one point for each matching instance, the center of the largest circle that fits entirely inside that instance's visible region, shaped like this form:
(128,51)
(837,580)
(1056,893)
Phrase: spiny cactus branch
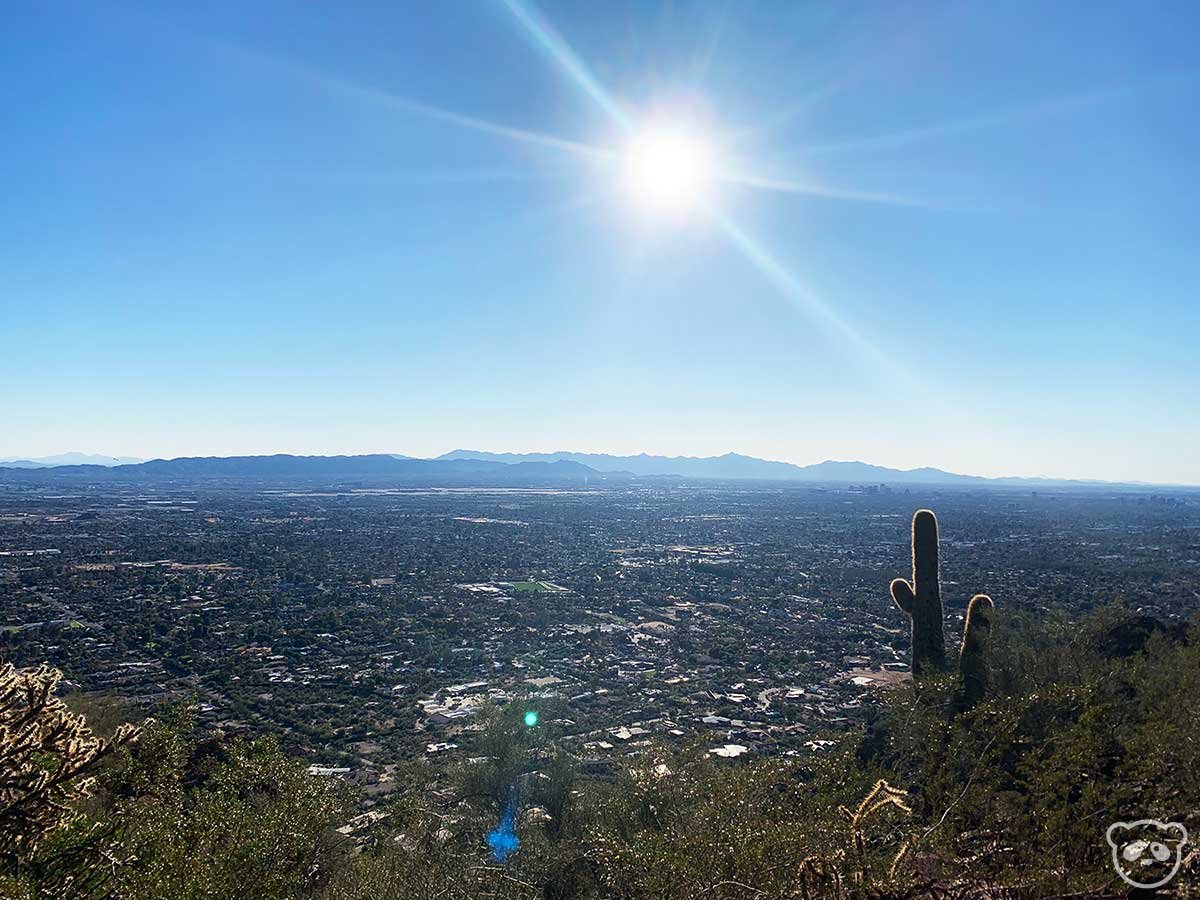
(47,754)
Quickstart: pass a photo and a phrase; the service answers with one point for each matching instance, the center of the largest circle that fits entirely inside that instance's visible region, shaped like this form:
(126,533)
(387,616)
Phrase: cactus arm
(903,595)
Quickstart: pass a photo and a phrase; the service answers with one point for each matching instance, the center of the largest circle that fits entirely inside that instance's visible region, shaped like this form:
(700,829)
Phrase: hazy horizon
(133,458)
(801,232)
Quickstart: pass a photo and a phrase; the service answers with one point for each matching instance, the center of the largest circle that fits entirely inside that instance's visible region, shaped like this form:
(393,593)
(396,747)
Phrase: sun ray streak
(786,115)
(554,44)
(402,104)
(703,59)
(802,297)
(995,119)
(420,177)
(816,189)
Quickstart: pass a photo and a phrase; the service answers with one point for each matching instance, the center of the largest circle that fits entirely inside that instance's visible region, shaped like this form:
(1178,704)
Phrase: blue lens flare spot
(531,718)
(503,838)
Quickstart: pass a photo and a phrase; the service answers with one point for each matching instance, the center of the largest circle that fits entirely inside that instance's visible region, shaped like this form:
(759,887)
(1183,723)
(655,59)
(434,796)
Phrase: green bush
(224,818)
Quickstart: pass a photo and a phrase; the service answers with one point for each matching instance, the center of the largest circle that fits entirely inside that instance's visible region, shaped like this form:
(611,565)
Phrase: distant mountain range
(283,466)
(735,465)
(480,467)
(69,459)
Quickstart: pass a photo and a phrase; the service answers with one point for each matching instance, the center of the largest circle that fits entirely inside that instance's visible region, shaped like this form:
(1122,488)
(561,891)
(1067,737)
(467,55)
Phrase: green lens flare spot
(531,718)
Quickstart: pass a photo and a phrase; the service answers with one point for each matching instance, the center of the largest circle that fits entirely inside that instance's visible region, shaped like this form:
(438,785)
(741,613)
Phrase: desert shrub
(206,816)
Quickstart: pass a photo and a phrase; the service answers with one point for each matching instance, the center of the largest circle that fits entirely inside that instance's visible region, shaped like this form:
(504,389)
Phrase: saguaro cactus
(972,661)
(921,600)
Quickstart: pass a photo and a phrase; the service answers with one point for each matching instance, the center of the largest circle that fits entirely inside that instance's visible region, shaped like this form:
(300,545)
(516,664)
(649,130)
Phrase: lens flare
(503,838)
(531,718)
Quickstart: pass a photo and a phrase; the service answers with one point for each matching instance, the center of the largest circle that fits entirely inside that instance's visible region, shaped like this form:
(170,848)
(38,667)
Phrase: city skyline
(797,233)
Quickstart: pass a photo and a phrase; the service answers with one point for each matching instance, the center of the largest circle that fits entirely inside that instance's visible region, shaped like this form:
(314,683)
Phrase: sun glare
(668,170)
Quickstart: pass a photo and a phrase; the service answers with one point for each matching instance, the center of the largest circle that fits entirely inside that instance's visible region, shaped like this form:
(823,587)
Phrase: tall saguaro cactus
(921,600)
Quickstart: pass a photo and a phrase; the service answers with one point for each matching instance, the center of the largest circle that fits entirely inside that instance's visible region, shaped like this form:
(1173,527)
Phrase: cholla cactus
(972,661)
(881,796)
(47,754)
(921,600)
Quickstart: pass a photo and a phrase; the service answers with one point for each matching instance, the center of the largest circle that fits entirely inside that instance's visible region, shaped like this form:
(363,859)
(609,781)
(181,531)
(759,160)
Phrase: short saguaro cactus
(972,656)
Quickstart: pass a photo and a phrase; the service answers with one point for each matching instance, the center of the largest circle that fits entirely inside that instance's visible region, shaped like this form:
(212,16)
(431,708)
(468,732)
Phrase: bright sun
(667,170)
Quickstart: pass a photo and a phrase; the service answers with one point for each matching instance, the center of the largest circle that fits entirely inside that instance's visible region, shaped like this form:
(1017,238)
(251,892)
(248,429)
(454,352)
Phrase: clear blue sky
(231,227)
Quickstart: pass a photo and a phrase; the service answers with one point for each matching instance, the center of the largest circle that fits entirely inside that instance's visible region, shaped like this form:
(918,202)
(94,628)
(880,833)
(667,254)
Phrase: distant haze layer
(479,466)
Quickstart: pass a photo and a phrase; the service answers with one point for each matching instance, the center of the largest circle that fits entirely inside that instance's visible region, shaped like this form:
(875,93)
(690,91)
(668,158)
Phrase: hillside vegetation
(997,778)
